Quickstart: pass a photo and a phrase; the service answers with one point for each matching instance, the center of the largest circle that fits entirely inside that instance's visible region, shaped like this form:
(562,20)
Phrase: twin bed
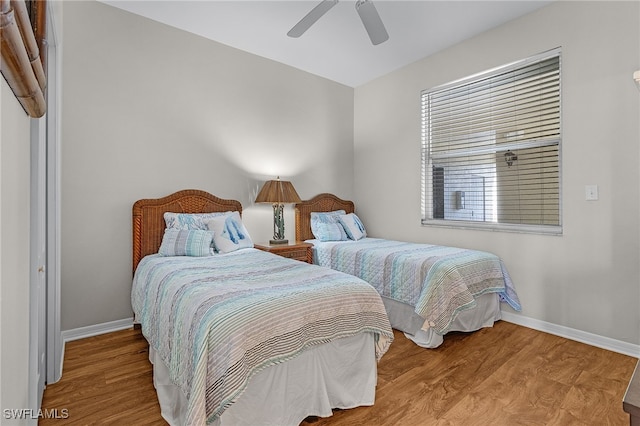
(427,290)
(241,336)
(247,337)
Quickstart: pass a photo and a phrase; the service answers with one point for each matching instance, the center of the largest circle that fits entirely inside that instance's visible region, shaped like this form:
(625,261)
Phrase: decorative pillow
(327,227)
(353,226)
(190,220)
(229,233)
(183,242)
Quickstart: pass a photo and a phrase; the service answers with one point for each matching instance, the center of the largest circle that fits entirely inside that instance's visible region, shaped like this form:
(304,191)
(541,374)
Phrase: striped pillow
(190,220)
(327,227)
(182,242)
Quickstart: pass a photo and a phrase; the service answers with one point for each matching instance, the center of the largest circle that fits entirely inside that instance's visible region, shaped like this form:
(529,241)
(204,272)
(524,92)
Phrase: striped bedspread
(218,320)
(439,281)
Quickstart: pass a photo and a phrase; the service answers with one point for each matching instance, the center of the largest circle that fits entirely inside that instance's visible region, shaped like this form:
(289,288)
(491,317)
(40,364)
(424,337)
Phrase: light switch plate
(591,192)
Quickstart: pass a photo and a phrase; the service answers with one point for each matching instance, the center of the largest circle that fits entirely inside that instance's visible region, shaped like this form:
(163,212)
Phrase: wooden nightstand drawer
(297,251)
(295,254)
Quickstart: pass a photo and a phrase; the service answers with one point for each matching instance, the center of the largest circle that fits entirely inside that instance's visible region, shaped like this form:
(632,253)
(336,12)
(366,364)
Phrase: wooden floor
(505,375)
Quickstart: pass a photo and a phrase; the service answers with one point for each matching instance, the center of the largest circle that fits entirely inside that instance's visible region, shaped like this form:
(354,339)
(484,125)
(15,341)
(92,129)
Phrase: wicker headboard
(320,203)
(148,219)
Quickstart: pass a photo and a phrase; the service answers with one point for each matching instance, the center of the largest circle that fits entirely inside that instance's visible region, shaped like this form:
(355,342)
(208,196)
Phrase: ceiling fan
(367,11)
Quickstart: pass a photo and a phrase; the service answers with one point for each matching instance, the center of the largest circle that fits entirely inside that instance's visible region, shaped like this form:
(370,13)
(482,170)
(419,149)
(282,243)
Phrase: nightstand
(299,250)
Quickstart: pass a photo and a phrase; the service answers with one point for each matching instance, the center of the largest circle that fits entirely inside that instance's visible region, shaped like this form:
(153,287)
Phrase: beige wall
(588,278)
(14,254)
(148,110)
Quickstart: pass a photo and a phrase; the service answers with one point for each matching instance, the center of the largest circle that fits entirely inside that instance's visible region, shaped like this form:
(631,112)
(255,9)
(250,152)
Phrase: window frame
(427,163)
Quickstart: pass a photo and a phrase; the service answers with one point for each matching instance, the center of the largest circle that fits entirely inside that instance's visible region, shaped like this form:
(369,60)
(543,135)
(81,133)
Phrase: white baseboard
(94,330)
(573,334)
(547,327)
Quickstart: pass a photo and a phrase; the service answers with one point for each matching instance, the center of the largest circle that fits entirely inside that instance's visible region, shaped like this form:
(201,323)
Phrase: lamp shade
(279,192)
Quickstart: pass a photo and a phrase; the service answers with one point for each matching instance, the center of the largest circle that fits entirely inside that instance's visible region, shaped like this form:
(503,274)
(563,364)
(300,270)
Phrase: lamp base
(278,241)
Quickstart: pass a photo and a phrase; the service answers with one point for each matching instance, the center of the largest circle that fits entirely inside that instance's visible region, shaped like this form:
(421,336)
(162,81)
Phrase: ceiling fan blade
(311,18)
(371,21)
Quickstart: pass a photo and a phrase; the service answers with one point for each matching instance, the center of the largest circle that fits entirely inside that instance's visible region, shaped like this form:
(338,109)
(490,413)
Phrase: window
(491,149)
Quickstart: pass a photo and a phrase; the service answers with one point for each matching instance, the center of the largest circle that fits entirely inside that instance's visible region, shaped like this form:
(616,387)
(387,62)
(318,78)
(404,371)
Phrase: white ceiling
(337,46)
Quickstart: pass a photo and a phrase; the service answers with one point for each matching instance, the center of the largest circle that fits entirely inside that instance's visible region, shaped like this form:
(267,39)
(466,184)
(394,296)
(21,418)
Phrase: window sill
(552,230)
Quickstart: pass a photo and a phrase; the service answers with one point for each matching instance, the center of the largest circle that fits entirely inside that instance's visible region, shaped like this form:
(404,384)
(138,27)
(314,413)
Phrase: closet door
(45,349)
(38,262)
(54,336)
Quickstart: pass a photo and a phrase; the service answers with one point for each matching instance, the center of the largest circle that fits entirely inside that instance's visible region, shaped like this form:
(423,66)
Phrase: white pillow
(229,233)
(183,242)
(353,226)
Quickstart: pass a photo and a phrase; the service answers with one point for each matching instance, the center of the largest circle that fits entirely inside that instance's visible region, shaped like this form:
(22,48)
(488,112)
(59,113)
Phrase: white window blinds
(491,148)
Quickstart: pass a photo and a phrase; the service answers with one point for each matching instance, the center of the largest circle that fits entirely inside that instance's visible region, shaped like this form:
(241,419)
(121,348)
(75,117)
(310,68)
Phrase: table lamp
(278,192)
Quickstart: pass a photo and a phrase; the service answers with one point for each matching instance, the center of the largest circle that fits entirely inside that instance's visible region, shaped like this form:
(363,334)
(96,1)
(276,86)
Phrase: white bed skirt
(403,317)
(339,374)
